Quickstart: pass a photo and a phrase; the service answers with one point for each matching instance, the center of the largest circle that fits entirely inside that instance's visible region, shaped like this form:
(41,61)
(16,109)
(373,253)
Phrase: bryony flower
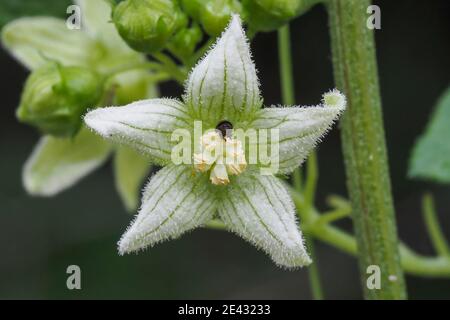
(58,163)
(223,93)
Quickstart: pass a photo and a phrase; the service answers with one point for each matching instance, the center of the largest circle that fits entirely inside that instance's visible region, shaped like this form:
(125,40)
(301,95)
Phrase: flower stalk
(412,263)
(437,236)
(364,147)
(288,98)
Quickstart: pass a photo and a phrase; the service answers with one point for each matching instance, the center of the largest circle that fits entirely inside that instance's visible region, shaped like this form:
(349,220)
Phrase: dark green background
(39,238)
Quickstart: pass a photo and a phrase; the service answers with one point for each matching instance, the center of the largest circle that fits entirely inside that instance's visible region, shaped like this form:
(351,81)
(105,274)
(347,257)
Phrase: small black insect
(225,127)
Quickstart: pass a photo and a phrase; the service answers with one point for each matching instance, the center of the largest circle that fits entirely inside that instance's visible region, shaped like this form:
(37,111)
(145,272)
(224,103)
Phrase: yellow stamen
(219,175)
(224,156)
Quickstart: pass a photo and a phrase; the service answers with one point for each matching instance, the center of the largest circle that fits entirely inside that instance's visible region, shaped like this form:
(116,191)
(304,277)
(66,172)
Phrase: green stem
(312,175)
(171,67)
(285,63)
(313,271)
(432,223)
(364,147)
(297,179)
(337,202)
(411,262)
(144,65)
(288,98)
(337,214)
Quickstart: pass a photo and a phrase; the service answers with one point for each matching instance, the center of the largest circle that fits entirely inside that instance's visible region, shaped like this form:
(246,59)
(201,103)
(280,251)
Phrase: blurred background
(40,237)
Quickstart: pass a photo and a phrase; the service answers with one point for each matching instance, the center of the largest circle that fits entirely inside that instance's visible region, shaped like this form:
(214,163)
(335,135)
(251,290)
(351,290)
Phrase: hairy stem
(364,147)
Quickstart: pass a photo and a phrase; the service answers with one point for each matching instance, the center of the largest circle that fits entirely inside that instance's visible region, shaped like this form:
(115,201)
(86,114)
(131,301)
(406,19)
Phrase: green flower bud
(213,15)
(55,98)
(268,15)
(183,44)
(147,25)
(193,7)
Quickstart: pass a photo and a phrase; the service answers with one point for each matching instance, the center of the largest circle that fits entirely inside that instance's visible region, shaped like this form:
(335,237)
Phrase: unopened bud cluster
(152,25)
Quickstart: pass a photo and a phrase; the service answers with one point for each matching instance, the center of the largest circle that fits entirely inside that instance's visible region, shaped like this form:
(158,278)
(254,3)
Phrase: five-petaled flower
(222,87)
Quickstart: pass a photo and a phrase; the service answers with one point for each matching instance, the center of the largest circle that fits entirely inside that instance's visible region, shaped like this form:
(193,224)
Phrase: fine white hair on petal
(259,209)
(174,202)
(224,84)
(300,128)
(145,125)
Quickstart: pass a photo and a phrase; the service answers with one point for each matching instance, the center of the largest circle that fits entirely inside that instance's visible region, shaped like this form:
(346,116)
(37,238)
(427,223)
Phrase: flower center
(225,128)
(220,154)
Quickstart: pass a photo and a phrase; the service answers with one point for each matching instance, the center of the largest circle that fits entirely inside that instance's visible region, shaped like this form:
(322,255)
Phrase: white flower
(222,88)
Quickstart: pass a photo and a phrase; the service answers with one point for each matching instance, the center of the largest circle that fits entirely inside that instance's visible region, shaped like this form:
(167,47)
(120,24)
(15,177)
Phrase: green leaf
(13,9)
(430,158)
(130,170)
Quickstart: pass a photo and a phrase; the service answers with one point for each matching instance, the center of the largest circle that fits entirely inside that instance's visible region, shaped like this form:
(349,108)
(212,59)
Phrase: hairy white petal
(96,21)
(36,40)
(56,164)
(300,128)
(130,171)
(174,202)
(224,84)
(259,209)
(146,125)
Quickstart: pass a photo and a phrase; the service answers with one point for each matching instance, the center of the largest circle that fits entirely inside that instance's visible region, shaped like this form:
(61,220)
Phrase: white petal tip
(35,190)
(97,120)
(132,241)
(334,99)
(293,260)
(124,246)
(295,264)
(235,20)
(235,27)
